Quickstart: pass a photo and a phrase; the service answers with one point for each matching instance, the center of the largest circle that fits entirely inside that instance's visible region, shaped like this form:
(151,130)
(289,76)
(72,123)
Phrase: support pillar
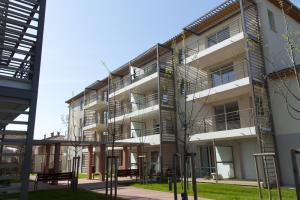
(102,162)
(139,159)
(47,159)
(125,158)
(57,158)
(90,161)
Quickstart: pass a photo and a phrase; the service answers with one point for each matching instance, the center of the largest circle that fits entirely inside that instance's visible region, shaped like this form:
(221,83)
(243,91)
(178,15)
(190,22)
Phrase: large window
(223,75)
(227,116)
(218,37)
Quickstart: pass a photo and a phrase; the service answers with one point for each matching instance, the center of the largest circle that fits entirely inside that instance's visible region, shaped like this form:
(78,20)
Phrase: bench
(128,172)
(50,177)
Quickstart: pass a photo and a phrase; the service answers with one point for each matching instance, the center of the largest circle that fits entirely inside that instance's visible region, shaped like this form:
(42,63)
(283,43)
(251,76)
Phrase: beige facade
(217,68)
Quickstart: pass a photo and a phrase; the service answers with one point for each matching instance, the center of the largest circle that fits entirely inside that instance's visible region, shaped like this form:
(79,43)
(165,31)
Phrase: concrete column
(125,158)
(47,159)
(57,158)
(102,162)
(90,161)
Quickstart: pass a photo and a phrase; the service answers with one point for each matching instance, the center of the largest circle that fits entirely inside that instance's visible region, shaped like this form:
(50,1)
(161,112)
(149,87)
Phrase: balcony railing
(216,78)
(131,78)
(234,28)
(90,119)
(94,98)
(139,104)
(222,122)
(138,133)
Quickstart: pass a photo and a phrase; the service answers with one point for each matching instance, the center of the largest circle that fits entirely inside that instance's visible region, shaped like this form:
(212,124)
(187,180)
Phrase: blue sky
(79,34)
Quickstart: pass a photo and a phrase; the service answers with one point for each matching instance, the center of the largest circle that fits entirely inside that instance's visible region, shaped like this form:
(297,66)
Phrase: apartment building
(88,121)
(217,81)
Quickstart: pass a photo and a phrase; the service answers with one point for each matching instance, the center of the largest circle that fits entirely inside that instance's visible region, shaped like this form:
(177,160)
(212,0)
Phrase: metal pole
(175,157)
(194,182)
(267,176)
(257,177)
(159,116)
(294,152)
(116,176)
(106,177)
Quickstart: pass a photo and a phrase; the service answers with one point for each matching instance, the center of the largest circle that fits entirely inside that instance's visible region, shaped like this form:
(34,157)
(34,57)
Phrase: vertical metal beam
(159,115)
(33,102)
(257,177)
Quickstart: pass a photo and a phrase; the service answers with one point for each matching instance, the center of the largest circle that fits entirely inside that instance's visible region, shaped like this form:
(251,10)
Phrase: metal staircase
(21,35)
(260,97)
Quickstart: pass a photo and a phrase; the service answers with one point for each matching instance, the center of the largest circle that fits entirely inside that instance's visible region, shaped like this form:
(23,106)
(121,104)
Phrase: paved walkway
(133,193)
(126,192)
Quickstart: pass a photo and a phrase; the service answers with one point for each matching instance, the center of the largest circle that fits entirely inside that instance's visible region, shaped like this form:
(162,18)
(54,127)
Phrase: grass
(222,191)
(85,176)
(61,194)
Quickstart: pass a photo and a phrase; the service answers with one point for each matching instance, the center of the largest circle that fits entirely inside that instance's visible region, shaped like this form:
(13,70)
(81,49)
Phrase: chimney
(52,134)
(44,136)
(58,133)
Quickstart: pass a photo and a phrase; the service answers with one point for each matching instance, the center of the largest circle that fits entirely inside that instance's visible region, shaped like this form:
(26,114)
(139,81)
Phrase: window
(227,116)
(218,37)
(271,20)
(222,76)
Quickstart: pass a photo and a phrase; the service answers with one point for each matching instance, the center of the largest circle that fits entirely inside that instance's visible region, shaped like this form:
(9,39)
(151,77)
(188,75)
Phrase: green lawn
(85,176)
(61,194)
(221,191)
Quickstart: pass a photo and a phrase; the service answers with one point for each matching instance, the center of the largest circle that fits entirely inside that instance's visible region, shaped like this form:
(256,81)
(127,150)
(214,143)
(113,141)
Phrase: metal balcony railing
(139,104)
(147,70)
(143,132)
(216,78)
(232,29)
(131,78)
(221,122)
(94,98)
(90,119)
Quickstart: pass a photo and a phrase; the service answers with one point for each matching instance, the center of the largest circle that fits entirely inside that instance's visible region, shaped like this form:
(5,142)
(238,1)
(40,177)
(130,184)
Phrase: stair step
(12,142)
(13,100)
(13,111)
(13,122)
(12,132)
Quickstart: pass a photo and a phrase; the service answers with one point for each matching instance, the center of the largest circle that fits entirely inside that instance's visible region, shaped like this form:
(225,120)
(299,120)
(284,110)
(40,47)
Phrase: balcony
(92,122)
(137,79)
(223,83)
(224,44)
(143,107)
(236,124)
(149,136)
(95,102)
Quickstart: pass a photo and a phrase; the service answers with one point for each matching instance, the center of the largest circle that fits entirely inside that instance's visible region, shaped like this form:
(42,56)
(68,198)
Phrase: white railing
(221,122)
